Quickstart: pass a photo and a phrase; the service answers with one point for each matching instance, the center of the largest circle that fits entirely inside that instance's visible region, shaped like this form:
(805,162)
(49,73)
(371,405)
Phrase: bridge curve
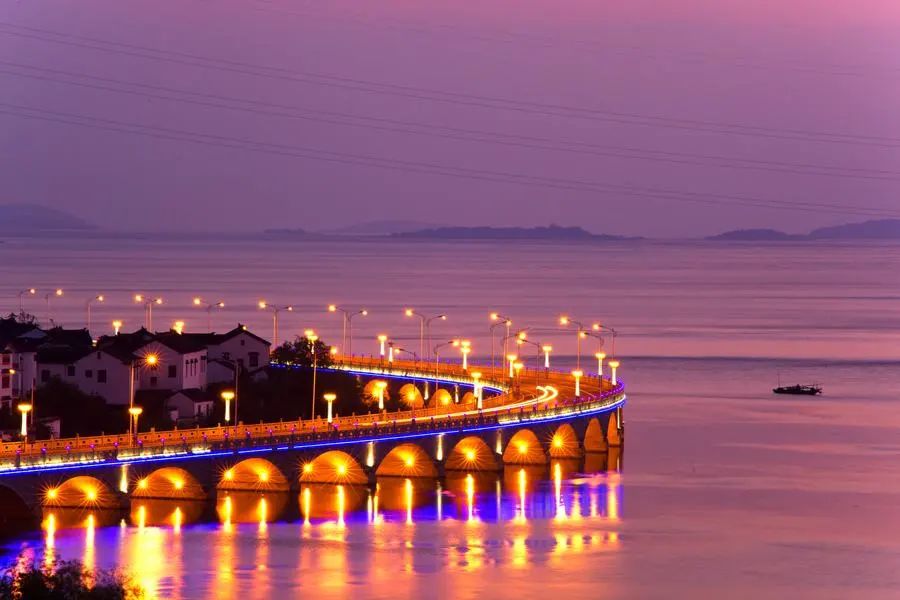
(529,419)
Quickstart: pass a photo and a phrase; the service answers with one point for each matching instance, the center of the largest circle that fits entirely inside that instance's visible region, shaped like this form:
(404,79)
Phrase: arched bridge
(470,421)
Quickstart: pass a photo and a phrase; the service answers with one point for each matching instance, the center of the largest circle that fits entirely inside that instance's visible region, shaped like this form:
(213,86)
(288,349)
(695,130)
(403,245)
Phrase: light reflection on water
(249,538)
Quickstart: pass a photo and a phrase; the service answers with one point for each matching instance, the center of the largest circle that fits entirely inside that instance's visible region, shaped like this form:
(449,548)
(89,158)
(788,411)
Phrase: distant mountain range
(551,232)
(387,227)
(883,229)
(34,218)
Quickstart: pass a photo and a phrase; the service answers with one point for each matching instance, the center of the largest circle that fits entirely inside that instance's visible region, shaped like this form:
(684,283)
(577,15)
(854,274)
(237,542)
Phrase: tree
(300,352)
(64,581)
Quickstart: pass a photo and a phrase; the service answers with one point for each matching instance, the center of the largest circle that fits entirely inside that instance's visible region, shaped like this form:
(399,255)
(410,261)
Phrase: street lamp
(380,386)
(547,350)
(614,365)
(599,328)
(329,398)
(117,326)
(227,396)
(151,360)
(424,326)
(134,412)
(24,408)
(600,356)
(57,293)
(208,307)
(148,309)
(465,348)
(347,319)
(381,340)
(577,374)
(263,305)
(29,292)
(479,396)
(98,298)
(510,359)
(312,338)
(579,333)
(178,327)
(502,320)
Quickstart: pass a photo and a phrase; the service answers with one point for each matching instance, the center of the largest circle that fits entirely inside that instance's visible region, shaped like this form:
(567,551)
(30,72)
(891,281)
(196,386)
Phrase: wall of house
(242,348)
(173,371)
(105,375)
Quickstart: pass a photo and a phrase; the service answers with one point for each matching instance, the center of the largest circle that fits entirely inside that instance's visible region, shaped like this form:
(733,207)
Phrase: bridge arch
(564,443)
(441,398)
(370,392)
(411,396)
(524,448)
(82,491)
(407,460)
(594,440)
(14,510)
(471,454)
(467,398)
(335,467)
(169,483)
(253,474)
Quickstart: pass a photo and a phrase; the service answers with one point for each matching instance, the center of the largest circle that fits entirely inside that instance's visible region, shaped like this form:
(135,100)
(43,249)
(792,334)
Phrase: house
(236,349)
(193,405)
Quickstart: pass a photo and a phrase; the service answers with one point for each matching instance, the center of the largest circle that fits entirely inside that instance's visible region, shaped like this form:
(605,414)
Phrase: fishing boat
(799,390)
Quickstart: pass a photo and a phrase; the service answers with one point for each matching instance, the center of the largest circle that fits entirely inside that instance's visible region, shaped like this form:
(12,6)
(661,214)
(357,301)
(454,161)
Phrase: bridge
(479,419)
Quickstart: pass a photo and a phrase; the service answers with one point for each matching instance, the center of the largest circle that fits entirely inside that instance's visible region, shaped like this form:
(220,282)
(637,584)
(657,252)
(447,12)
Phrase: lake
(722,489)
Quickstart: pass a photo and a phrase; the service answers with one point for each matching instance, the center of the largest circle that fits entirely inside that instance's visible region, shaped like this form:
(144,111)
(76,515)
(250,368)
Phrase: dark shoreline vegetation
(65,580)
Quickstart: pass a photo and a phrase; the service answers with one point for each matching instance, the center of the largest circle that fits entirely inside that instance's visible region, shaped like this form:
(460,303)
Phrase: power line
(544,41)
(448,97)
(424,167)
(455,133)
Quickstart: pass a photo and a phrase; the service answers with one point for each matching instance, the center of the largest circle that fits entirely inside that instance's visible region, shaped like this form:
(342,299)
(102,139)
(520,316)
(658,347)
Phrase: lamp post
(577,374)
(24,408)
(29,292)
(150,360)
(117,326)
(424,326)
(614,365)
(227,396)
(390,353)
(600,356)
(330,398)
(437,358)
(479,396)
(312,337)
(91,300)
(133,413)
(57,293)
(511,359)
(547,350)
(502,320)
(579,333)
(347,318)
(517,371)
(263,305)
(148,308)
(380,386)
(465,349)
(381,341)
(208,307)
(600,327)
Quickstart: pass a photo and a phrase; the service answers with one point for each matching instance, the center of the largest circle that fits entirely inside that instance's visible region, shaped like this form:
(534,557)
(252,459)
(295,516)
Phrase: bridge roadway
(524,420)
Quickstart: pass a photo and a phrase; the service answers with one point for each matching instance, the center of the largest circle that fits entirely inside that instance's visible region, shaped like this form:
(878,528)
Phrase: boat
(799,390)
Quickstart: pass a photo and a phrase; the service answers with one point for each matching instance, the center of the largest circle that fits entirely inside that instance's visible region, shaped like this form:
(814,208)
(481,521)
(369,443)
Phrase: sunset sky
(662,118)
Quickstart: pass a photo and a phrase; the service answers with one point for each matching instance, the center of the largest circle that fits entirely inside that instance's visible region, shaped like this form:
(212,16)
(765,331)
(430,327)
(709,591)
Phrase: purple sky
(804,65)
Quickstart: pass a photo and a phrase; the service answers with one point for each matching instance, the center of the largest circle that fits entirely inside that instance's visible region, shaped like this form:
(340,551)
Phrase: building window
(254,359)
(173,371)
(89,373)
(4,382)
(70,371)
(154,381)
(101,375)
(45,375)
(242,342)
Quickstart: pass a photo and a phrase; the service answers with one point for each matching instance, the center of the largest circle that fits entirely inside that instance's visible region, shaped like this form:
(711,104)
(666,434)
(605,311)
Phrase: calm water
(724,490)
